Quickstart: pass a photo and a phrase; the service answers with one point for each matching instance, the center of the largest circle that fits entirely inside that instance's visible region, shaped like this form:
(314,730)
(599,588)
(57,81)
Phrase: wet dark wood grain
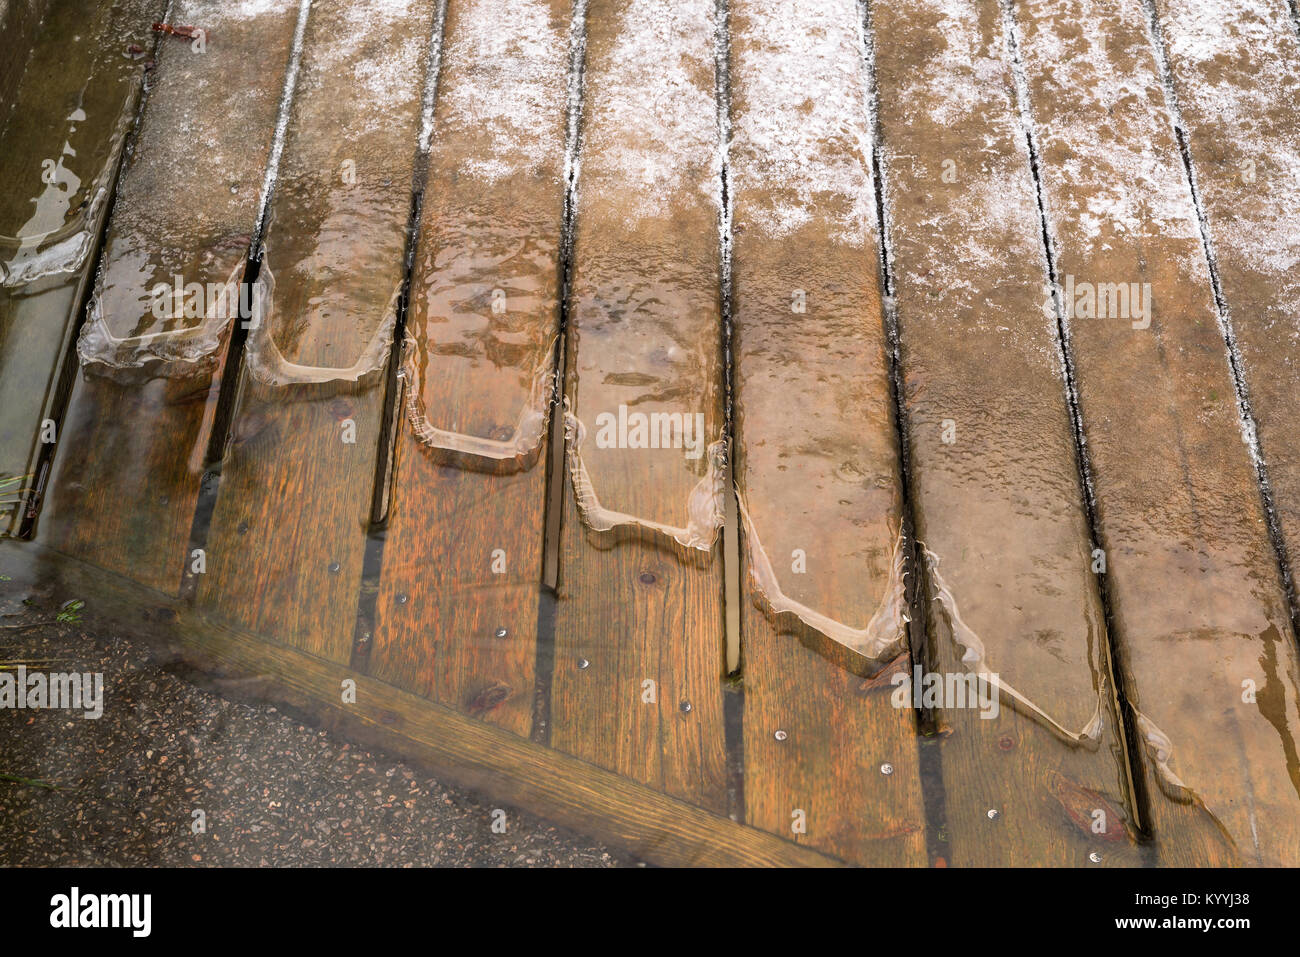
(288,534)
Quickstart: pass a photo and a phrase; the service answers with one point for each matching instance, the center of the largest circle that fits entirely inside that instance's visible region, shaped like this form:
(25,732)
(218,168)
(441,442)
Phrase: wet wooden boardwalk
(857,432)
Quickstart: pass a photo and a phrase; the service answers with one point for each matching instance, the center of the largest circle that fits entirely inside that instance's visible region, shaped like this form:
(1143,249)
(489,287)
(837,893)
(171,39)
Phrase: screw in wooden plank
(993,814)
(583,664)
(780,735)
(685,707)
(886,769)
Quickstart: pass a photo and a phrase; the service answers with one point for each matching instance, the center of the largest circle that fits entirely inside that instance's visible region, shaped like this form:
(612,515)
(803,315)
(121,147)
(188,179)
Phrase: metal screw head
(402,599)
(501,632)
(993,813)
(334,568)
(780,735)
(1095,857)
(583,664)
(685,707)
(886,769)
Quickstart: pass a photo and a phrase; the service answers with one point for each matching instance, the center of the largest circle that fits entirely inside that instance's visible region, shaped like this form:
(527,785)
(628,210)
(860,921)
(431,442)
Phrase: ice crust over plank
(157,238)
(799,166)
(974,658)
(51,241)
(651,150)
(511,64)
(705,507)
(344,238)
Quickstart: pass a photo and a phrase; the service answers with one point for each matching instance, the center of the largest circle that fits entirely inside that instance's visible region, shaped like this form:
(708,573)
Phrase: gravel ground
(272,791)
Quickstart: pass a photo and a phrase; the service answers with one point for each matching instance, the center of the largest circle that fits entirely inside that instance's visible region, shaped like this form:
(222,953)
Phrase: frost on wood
(1258,229)
(802,131)
(511,62)
(658,82)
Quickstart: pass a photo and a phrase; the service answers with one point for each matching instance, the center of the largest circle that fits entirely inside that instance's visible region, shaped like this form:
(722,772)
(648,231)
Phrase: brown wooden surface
(289,530)
(999,508)
(59,154)
(126,477)
(1196,597)
(463,552)
(828,486)
(1233,70)
(644,331)
(469,752)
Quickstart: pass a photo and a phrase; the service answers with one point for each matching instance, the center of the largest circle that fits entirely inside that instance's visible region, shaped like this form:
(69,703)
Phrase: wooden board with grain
(457,612)
(639,632)
(60,177)
(135,434)
(829,761)
(288,534)
(1196,599)
(995,483)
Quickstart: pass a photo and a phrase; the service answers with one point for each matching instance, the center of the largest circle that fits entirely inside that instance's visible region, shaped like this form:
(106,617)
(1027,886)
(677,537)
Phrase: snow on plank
(1030,771)
(456,614)
(288,534)
(1197,605)
(639,638)
(817,461)
(60,177)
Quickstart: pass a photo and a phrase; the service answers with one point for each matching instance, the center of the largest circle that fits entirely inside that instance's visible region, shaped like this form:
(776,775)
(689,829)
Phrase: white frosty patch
(806,125)
(652,118)
(512,67)
(1259,37)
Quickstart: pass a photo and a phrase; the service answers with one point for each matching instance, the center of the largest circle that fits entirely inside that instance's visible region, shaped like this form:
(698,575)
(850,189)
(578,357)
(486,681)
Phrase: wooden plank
(126,477)
(61,175)
(457,610)
(640,591)
(1233,71)
(1195,594)
(288,531)
(995,483)
(470,752)
(817,466)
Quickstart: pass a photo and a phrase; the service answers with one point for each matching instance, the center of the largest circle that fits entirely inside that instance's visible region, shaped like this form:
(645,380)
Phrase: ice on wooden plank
(479,360)
(336,229)
(191,195)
